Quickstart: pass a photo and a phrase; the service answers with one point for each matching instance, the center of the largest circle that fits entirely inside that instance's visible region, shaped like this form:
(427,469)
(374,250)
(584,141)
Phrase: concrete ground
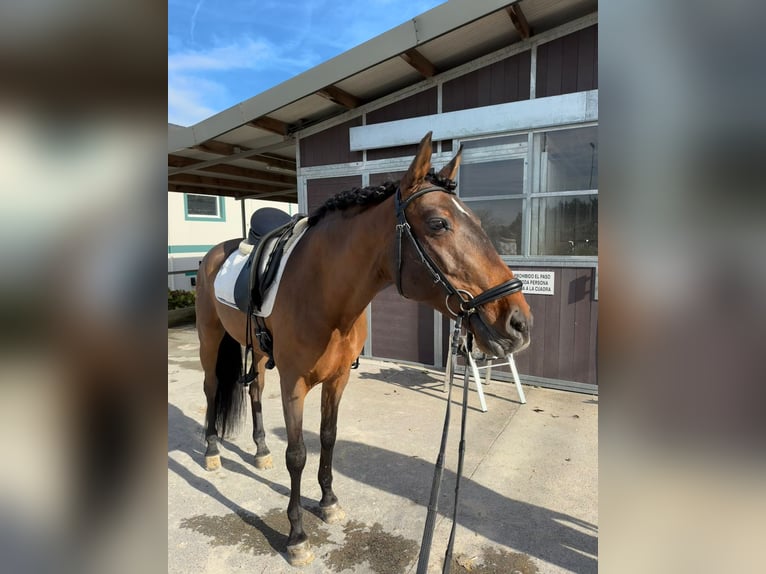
(528,495)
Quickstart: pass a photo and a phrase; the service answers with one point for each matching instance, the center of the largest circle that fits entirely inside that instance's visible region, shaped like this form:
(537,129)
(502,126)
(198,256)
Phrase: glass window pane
(565,225)
(501,220)
(570,159)
(492,178)
(202,205)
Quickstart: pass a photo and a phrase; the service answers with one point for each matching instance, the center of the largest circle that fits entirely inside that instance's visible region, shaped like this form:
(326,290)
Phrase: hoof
(300,554)
(264,462)
(332,514)
(213,462)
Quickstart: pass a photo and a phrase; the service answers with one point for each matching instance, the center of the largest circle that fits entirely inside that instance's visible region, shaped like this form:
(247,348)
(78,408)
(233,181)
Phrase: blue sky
(223,52)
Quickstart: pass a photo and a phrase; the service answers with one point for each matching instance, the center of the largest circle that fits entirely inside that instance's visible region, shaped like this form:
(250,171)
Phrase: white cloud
(244,54)
(189,99)
(195,92)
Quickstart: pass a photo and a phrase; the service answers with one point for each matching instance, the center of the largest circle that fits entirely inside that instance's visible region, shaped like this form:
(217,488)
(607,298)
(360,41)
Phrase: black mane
(364,196)
(370,195)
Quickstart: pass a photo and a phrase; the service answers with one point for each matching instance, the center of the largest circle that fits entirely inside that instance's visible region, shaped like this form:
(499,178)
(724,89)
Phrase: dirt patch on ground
(493,561)
(384,552)
(265,534)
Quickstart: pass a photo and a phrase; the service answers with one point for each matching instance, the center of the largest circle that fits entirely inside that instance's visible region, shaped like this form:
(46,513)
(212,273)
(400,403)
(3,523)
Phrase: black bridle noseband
(403,228)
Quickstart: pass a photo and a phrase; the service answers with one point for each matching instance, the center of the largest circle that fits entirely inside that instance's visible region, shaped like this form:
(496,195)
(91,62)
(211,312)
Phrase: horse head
(463,262)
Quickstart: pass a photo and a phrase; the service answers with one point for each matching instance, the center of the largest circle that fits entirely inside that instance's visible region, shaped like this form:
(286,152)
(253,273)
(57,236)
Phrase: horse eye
(438,224)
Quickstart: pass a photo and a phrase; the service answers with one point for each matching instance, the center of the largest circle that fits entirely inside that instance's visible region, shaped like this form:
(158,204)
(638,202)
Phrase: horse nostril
(517,321)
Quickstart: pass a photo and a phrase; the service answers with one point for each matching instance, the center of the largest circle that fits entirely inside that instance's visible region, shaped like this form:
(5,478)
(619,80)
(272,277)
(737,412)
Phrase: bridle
(468,303)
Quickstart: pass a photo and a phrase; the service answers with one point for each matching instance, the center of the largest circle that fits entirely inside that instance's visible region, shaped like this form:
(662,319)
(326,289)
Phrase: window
(565,225)
(564,219)
(536,193)
(204,207)
(492,180)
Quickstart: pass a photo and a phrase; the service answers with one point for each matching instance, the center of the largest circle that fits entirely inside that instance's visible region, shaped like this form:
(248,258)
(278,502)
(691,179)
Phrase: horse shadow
(431,384)
(181,432)
(528,528)
(551,536)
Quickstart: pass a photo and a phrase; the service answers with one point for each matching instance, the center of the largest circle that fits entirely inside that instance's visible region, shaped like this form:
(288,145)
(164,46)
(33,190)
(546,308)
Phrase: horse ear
(418,168)
(449,171)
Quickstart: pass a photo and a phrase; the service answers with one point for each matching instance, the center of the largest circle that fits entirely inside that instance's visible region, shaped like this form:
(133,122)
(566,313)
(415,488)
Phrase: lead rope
(461,456)
(433,503)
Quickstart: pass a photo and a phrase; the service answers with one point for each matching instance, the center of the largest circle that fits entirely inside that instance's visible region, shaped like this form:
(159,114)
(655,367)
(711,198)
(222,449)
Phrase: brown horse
(354,247)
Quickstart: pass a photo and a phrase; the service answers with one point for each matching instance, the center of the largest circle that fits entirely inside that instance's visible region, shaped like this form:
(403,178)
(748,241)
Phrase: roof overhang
(249,150)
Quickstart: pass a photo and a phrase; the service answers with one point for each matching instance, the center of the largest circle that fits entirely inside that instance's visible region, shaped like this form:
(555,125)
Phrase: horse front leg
(263,458)
(298,548)
(329,509)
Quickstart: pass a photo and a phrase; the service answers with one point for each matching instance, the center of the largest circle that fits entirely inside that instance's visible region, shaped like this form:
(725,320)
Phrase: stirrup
(250,377)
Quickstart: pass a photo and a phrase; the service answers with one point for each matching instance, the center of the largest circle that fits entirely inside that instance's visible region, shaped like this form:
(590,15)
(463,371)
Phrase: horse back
(214,258)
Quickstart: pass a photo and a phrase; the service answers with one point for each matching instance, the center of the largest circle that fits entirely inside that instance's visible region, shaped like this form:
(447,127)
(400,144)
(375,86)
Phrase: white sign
(536,282)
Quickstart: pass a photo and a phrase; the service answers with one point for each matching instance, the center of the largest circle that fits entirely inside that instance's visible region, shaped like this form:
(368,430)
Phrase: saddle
(270,232)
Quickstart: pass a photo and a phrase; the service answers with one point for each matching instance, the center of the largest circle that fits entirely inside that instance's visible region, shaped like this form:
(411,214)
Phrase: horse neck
(353,257)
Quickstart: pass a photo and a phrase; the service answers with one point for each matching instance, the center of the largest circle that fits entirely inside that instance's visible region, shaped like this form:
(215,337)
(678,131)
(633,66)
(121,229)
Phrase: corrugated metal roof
(255,138)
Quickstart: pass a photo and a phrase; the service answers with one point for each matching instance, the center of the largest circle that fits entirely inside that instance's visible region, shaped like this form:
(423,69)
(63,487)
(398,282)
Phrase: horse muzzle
(513,338)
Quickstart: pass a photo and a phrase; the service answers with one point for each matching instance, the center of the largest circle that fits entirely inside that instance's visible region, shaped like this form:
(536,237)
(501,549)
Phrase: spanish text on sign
(537,282)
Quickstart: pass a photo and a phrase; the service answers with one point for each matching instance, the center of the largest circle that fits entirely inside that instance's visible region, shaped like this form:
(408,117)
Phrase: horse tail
(230,393)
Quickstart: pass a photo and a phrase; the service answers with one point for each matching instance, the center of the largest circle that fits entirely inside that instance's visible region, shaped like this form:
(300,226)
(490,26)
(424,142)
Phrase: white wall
(188,241)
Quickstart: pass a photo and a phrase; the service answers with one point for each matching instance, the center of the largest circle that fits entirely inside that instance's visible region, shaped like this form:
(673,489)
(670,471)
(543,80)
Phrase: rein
(467,306)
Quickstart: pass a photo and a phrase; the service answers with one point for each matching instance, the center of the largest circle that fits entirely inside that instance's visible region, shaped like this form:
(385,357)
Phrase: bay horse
(416,234)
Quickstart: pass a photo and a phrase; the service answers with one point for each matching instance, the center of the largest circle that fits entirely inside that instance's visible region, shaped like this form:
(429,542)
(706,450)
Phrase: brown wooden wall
(499,83)
(402,329)
(421,104)
(320,190)
(568,64)
(564,333)
(330,146)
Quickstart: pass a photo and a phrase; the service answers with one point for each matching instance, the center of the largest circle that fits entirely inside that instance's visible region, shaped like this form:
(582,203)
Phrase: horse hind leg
(263,459)
(221,357)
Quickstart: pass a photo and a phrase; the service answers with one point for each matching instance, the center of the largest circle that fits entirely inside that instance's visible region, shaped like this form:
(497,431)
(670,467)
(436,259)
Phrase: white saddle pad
(231,268)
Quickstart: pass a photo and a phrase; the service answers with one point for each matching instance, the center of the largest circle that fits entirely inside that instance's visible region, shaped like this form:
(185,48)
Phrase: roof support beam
(267,176)
(258,154)
(340,97)
(219,183)
(270,125)
(289,195)
(219,147)
(519,21)
(274,161)
(418,61)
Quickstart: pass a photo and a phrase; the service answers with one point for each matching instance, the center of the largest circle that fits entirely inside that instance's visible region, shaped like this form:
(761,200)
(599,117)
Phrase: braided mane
(364,197)
(370,195)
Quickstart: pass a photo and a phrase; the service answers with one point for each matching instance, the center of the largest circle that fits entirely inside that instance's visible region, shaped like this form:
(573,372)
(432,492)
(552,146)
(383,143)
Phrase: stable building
(516,84)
